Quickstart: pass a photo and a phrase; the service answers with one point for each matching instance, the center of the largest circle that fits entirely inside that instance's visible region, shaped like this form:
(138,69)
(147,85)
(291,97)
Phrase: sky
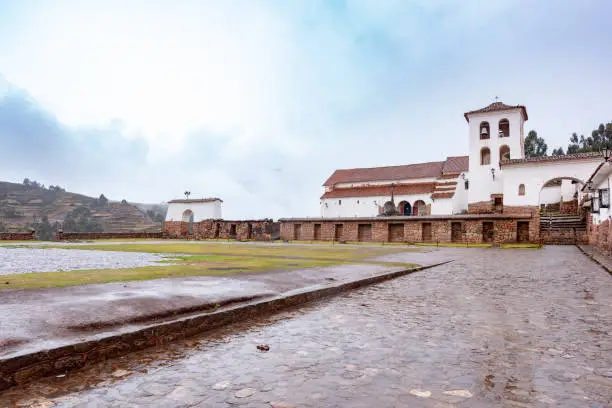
(259,101)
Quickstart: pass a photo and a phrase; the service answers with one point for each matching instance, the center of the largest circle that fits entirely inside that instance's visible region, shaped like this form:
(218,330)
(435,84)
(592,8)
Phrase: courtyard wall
(465,228)
(260,230)
(17,236)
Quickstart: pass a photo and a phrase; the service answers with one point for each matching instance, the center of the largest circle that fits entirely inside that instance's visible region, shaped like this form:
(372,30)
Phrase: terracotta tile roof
(497,106)
(449,168)
(196,200)
(577,156)
(443,195)
(456,164)
(380,191)
(409,171)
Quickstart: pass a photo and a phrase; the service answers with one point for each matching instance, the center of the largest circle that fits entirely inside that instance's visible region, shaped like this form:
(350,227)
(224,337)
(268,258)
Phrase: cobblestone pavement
(24,260)
(501,328)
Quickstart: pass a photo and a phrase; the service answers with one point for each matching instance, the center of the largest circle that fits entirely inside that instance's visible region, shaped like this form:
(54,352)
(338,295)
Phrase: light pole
(606,152)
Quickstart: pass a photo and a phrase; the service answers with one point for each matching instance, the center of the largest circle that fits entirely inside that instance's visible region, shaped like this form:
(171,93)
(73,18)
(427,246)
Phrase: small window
(467,184)
(604,198)
(339,202)
(521,189)
(357,201)
(485,156)
(504,152)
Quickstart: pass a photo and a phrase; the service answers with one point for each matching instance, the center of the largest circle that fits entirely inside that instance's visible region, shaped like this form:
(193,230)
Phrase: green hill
(32,206)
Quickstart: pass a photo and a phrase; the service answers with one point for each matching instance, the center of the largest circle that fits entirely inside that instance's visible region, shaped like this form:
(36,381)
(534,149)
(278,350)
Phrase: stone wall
(467,229)
(17,236)
(79,236)
(599,235)
(260,230)
(565,236)
(569,207)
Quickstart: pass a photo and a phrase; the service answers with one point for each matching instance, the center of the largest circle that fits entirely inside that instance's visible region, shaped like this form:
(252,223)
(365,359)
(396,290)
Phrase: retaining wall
(518,225)
(76,236)
(260,230)
(17,236)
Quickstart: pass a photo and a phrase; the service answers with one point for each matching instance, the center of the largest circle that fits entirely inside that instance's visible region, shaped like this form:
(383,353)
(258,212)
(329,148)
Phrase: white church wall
(460,199)
(201,211)
(364,206)
(550,195)
(442,206)
(534,175)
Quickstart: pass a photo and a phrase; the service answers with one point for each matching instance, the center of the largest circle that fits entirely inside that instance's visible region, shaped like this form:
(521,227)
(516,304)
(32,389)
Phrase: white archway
(535,173)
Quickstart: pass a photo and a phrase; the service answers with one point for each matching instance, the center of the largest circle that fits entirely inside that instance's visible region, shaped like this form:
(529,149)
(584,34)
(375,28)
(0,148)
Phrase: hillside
(24,206)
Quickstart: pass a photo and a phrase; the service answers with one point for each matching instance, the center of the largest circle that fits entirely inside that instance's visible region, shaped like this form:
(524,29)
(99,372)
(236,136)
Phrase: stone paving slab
(495,328)
(598,256)
(38,319)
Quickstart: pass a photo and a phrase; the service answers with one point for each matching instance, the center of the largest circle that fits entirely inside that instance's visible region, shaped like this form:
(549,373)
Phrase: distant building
(194,211)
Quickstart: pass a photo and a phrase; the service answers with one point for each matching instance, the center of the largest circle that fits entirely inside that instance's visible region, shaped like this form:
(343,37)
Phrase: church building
(494,174)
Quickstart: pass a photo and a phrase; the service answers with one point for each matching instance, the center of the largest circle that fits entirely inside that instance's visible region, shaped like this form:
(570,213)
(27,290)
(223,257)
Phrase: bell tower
(495,133)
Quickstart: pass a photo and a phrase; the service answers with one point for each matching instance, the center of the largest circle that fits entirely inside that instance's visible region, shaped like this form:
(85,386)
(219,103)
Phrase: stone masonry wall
(599,235)
(261,230)
(75,236)
(471,230)
(17,236)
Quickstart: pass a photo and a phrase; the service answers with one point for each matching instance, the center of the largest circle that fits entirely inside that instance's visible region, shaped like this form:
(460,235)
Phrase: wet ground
(502,328)
(16,260)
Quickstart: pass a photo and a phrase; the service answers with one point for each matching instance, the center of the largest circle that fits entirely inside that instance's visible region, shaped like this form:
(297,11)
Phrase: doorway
(487,231)
(456,232)
(522,231)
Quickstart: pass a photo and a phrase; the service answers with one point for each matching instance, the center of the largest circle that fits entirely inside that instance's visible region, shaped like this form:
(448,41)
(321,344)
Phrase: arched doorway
(560,195)
(504,152)
(405,208)
(188,219)
(419,208)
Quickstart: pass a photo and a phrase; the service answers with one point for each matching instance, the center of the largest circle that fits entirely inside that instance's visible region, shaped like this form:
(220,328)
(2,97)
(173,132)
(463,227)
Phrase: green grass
(201,259)
(520,246)
(453,245)
(328,252)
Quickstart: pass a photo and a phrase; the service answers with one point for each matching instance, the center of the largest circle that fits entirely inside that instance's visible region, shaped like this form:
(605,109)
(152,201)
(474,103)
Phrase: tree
(600,137)
(81,220)
(558,152)
(535,146)
(44,229)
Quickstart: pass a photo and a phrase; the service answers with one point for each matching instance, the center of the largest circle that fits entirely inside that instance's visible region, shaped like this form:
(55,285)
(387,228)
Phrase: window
(467,184)
(357,201)
(521,189)
(485,156)
(504,152)
(504,128)
(339,202)
(604,198)
(595,204)
(485,131)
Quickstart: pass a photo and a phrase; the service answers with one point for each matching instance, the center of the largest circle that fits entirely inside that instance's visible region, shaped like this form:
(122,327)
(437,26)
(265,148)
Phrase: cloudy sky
(258,101)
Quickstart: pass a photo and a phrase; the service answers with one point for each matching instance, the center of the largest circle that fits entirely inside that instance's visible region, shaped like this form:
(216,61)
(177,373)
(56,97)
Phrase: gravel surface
(24,260)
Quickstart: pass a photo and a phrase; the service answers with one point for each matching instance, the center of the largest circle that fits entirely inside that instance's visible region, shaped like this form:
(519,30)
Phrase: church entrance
(405,208)
(187,225)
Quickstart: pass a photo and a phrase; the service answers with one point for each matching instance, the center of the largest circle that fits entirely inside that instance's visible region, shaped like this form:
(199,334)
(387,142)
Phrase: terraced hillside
(21,206)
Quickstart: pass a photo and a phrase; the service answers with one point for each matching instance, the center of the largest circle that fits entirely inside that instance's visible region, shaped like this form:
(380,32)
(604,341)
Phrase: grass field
(195,259)
(327,252)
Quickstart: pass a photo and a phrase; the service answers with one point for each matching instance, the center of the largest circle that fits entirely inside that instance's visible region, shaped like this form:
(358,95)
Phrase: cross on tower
(497,99)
